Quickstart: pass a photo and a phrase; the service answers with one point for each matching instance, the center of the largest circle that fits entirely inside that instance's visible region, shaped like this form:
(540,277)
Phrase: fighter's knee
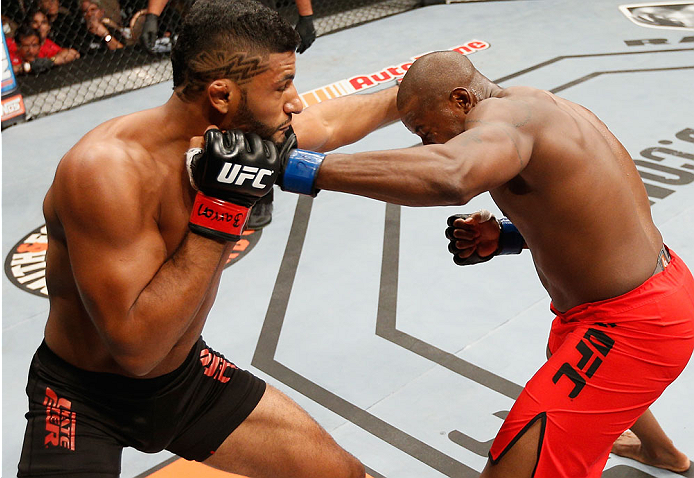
(356,469)
(346,465)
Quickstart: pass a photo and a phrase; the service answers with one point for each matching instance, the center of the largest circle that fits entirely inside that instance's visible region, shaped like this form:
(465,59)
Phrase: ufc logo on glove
(236,174)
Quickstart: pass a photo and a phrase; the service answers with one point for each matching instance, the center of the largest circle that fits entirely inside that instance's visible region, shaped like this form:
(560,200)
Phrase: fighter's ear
(224,95)
(463,98)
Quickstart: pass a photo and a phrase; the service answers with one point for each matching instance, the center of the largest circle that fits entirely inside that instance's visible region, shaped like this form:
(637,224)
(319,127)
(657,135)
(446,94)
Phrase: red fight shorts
(610,361)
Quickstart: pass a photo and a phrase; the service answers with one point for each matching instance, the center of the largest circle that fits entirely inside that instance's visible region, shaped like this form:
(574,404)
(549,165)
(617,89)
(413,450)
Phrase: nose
(294,104)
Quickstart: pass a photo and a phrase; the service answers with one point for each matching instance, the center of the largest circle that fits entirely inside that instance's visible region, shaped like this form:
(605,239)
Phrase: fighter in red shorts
(607,362)
(625,313)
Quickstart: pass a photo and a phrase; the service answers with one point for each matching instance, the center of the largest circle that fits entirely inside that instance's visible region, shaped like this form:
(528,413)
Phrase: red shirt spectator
(48,50)
(32,51)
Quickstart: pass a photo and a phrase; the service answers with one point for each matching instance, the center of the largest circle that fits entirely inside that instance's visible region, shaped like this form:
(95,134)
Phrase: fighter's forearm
(345,120)
(168,305)
(421,176)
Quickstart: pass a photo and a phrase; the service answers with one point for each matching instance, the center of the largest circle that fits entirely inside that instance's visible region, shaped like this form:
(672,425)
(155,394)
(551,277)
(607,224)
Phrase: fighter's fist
(479,236)
(234,166)
(474,238)
(231,172)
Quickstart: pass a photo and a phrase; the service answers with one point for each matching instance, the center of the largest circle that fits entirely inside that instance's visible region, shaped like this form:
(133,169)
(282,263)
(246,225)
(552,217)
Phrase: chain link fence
(101,52)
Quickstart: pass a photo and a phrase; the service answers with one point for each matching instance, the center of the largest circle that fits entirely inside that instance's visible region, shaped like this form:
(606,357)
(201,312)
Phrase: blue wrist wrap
(300,172)
(510,241)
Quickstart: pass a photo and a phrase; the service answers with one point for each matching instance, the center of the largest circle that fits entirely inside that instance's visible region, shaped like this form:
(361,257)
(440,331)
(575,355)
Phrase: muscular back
(579,203)
(116,213)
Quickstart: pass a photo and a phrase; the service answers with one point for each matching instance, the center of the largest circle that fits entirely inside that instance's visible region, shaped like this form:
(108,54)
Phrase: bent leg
(280,440)
(648,443)
(586,403)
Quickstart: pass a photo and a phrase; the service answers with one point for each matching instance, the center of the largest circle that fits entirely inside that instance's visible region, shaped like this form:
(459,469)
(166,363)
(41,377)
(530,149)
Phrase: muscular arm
(487,155)
(328,125)
(140,300)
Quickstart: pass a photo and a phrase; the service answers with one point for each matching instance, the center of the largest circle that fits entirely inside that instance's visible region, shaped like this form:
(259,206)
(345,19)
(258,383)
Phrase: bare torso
(156,168)
(579,203)
(130,288)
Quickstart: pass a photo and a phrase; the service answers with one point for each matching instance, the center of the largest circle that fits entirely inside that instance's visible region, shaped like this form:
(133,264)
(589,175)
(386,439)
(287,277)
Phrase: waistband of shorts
(101,381)
(654,288)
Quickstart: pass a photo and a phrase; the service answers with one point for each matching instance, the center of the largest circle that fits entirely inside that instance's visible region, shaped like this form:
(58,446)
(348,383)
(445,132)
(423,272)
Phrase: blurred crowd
(43,34)
(48,33)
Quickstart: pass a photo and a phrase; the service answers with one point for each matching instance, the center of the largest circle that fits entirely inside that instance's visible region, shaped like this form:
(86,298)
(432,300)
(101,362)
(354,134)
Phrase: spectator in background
(304,27)
(25,53)
(8,26)
(49,49)
(54,10)
(67,27)
(156,31)
(106,30)
(13,13)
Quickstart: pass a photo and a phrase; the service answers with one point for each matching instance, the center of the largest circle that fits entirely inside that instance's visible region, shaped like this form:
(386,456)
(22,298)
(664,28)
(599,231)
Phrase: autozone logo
(389,73)
(237,174)
(12,107)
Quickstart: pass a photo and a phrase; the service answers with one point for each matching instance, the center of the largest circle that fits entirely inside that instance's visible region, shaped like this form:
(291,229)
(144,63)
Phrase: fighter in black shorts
(193,409)
(137,244)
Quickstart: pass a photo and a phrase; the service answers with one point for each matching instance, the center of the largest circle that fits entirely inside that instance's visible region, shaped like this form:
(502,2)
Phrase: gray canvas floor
(354,307)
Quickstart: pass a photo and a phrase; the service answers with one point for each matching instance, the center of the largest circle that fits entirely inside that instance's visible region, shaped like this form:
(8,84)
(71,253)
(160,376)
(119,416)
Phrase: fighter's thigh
(280,440)
(590,390)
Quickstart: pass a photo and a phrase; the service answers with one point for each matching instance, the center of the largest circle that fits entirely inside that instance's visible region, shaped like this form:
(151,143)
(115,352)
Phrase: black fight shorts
(79,422)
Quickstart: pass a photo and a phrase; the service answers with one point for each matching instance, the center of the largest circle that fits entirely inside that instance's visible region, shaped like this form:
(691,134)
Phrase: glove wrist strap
(510,241)
(301,171)
(212,217)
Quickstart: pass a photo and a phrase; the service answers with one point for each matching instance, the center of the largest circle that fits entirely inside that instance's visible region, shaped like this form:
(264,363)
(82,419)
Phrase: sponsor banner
(357,83)
(9,82)
(12,107)
(677,15)
(12,102)
(25,265)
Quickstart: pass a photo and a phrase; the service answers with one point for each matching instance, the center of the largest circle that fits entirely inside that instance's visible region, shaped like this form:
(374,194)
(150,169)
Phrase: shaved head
(437,93)
(432,77)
